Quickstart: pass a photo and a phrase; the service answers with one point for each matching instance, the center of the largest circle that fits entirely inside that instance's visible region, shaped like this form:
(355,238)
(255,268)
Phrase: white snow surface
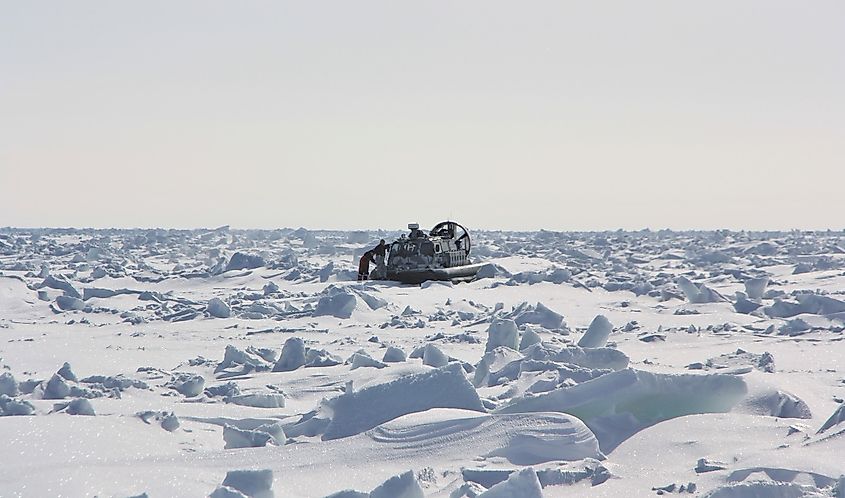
(581,364)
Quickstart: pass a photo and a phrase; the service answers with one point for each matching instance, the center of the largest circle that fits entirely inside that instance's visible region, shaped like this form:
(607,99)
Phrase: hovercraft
(442,254)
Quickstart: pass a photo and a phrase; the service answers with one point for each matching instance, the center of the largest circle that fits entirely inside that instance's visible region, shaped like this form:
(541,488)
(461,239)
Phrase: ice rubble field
(247,363)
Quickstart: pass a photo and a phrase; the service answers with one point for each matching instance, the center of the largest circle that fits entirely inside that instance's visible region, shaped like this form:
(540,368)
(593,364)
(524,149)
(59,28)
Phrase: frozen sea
(251,363)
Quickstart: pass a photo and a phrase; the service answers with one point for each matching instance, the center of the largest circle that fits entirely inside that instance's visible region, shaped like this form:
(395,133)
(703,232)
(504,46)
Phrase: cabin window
(437,248)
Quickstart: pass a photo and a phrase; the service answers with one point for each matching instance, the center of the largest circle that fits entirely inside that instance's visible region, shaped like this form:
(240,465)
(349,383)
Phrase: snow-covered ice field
(607,364)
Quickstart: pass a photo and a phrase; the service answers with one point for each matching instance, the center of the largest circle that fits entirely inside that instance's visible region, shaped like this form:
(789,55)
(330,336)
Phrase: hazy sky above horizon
(372,114)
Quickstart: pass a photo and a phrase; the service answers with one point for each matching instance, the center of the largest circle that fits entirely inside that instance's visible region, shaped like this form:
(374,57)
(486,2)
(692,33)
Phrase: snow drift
(355,412)
(617,405)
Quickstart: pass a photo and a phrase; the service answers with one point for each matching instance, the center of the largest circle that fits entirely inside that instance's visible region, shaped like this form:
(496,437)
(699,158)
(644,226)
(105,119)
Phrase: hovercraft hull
(455,273)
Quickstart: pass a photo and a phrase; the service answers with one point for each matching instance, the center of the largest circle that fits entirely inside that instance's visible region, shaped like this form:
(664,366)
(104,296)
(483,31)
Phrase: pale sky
(562,115)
